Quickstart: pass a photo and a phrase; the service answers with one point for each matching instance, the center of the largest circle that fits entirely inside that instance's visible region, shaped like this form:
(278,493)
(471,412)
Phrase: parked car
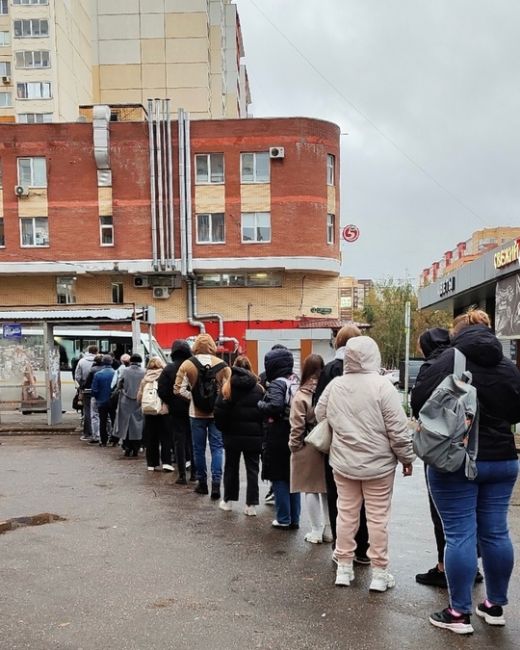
(413,370)
(392,375)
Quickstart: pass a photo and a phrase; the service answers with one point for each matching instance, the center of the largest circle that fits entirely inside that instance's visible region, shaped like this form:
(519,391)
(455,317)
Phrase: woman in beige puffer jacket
(370,436)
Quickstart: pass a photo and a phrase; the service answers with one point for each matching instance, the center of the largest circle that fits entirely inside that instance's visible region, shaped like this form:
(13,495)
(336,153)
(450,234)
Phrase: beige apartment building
(56,55)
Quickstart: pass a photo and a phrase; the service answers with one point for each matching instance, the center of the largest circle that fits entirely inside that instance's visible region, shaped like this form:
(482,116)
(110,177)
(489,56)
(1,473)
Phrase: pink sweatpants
(377,494)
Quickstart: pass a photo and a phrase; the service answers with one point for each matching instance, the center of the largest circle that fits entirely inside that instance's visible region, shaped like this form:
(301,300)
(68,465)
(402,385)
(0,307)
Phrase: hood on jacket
(278,363)
(242,379)
(480,345)
(434,341)
(152,374)
(204,344)
(180,350)
(362,355)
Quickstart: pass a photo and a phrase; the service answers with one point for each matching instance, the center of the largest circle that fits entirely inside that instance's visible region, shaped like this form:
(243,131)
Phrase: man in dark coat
(178,419)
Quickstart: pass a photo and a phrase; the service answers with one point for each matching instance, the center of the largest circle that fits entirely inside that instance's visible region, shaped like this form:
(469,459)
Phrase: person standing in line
(178,418)
(307,466)
(275,408)
(96,367)
(204,363)
(80,375)
(157,435)
(335,368)
(130,419)
(114,397)
(101,396)
(475,512)
(238,417)
(370,436)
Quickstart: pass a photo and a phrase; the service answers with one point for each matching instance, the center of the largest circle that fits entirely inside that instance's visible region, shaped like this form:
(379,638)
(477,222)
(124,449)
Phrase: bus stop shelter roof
(74,315)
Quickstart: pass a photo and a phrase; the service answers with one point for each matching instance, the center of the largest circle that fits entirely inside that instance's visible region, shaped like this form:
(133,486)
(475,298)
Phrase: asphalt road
(142,564)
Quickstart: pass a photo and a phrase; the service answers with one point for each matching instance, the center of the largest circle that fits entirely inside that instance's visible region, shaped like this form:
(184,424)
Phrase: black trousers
(437,523)
(232,475)
(105,411)
(332,499)
(87,424)
(159,441)
(181,431)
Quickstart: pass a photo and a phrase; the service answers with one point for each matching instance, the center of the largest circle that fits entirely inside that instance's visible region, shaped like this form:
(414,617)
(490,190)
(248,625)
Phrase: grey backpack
(447,430)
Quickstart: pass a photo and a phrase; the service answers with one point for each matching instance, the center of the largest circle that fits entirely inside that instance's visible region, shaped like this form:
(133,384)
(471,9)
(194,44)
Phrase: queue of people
(347,493)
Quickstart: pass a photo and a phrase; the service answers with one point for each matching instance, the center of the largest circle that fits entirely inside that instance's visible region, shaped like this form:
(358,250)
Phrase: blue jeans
(203,429)
(471,512)
(287,505)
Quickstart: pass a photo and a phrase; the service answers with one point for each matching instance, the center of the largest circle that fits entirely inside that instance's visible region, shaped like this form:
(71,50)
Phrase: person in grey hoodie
(80,375)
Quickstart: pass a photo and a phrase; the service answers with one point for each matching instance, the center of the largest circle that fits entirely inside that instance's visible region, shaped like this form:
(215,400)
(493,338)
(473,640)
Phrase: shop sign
(446,287)
(508,255)
(11,331)
(321,310)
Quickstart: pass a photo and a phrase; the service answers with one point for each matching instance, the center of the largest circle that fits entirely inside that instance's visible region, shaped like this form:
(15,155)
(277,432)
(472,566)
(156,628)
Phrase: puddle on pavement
(31,520)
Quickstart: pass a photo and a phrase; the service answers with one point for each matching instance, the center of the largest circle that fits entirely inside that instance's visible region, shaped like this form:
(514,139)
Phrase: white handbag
(320,437)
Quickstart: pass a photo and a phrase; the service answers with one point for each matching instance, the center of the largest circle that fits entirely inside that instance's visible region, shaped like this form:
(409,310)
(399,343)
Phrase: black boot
(202,488)
(181,480)
(215,491)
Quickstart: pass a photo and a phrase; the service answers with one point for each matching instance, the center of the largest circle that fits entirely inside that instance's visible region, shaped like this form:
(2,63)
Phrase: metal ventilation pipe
(153,202)
(171,221)
(160,202)
(182,194)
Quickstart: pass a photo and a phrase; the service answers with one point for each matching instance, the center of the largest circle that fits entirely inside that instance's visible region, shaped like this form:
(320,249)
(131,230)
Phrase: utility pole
(406,353)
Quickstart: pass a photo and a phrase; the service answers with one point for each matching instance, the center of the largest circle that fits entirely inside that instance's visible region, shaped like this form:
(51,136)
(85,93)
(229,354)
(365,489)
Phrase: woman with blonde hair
(475,511)
(238,417)
(158,437)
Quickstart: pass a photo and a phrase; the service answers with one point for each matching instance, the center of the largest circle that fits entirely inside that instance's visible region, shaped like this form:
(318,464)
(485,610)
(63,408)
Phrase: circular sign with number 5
(350,233)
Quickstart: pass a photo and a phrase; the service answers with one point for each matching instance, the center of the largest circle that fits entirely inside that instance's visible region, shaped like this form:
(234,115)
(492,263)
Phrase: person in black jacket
(178,419)
(332,369)
(476,511)
(238,417)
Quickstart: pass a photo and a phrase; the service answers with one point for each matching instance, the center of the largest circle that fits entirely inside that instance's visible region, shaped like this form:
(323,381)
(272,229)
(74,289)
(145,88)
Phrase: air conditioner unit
(161,293)
(141,281)
(6,79)
(276,152)
(21,190)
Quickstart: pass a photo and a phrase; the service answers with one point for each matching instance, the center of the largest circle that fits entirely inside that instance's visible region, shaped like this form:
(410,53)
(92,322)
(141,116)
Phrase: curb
(13,431)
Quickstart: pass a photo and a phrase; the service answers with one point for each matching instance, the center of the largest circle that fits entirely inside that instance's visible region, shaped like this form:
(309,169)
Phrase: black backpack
(205,389)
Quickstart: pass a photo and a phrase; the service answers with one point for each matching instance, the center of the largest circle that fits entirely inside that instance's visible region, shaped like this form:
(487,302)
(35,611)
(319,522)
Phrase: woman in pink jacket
(370,436)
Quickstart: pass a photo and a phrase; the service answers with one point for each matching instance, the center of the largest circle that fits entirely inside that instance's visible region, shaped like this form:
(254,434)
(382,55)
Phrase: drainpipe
(182,194)
(159,182)
(221,338)
(192,308)
(189,236)
(153,206)
(171,222)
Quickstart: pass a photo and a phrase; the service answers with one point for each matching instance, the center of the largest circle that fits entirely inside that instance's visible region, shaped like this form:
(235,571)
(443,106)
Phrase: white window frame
(8,98)
(29,87)
(69,284)
(4,7)
(5,39)
(331,228)
(35,162)
(255,178)
(117,293)
(33,118)
(34,244)
(256,240)
(209,180)
(106,228)
(5,68)
(25,59)
(210,216)
(2,233)
(331,169)
(31,23)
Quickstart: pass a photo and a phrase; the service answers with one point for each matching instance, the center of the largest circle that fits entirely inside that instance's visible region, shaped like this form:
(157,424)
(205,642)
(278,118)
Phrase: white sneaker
(250,511)
(225,505)
(150,469)
(314,537)
(381,580)
(344,575)
(167,468)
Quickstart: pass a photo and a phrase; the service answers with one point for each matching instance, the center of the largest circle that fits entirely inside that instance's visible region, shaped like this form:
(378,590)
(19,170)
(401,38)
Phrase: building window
(32,172)
(2,233)
(34,90)
(331,167)
(210,228)
(5,69)
(66,290)
(34,118)
(254,167)
(256,227)
(34,28)
(34,231)
(4,7)
(331,228)
(250,279)
(117,293)
(106,231)
(30,2)
(33,59)
(5,39)
(209,168)
(6,99)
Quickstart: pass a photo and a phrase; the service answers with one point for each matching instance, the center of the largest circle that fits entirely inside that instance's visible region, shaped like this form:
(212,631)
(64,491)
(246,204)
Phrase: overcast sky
(429,94)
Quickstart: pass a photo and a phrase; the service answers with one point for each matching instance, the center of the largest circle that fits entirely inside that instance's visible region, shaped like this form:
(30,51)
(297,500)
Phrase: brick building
(225,224)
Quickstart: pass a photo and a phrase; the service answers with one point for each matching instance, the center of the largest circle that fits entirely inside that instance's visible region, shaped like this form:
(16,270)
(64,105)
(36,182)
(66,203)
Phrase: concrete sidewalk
(15,423)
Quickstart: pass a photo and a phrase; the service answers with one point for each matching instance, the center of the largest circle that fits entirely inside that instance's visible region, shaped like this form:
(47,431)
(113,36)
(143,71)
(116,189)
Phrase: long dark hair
(312,367)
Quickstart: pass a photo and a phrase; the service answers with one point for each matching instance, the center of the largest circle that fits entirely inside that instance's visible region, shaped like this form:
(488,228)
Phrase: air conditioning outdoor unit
(6,79)
(161,293)
(21,190)
(141,281)
(276,152)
